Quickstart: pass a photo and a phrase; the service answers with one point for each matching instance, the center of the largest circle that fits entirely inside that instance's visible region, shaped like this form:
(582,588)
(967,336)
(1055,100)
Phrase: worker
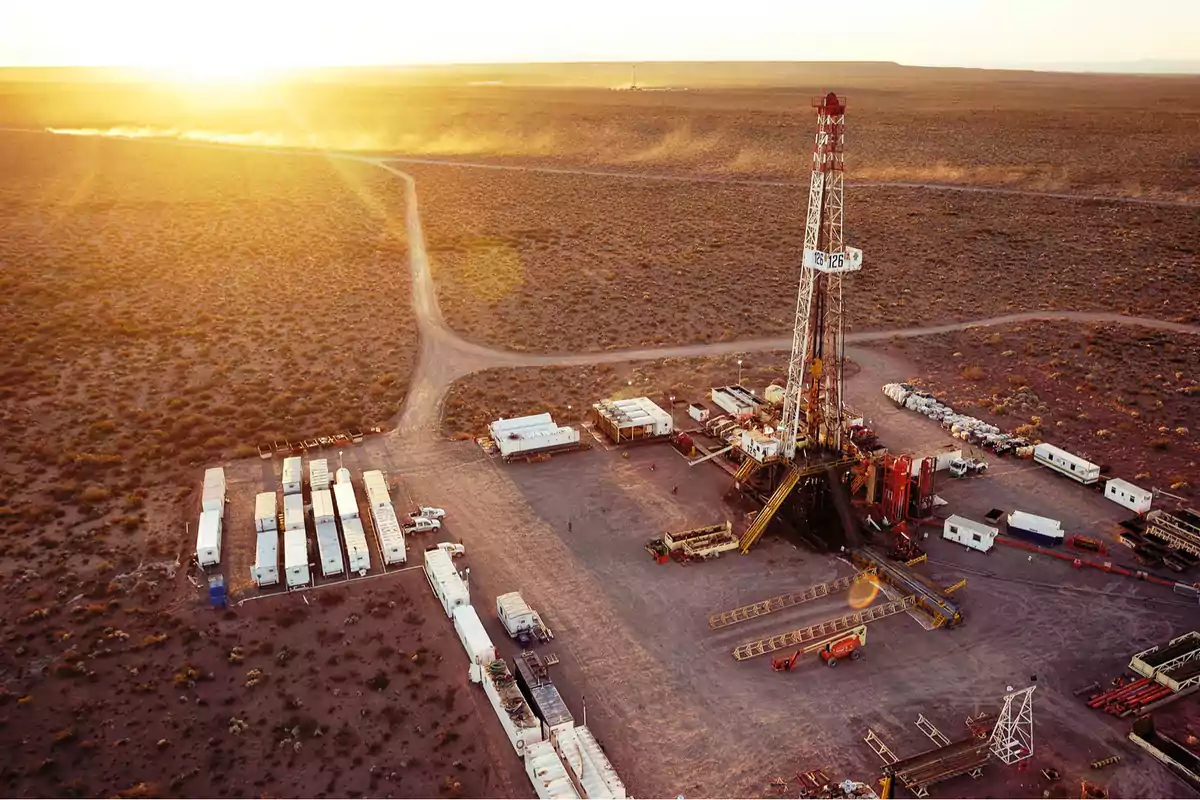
(568,526)
(674,490)
(652,468)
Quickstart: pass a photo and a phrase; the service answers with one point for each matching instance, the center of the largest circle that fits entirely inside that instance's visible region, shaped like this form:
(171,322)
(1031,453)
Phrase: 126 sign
(849,261)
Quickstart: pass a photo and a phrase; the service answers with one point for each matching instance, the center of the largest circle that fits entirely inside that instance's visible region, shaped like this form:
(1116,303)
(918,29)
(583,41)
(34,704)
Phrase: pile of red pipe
(1078,563)
(1125,700)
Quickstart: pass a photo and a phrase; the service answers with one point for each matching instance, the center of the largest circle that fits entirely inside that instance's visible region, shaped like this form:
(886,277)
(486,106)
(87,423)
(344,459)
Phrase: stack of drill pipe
(1104,698)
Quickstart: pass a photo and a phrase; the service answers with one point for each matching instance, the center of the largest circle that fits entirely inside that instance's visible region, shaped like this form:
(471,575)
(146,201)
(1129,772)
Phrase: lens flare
(863,593)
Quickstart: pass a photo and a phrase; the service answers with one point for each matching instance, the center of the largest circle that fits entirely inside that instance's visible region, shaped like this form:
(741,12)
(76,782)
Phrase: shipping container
(265,571)
(582,754)
(208,538)
(548,774)
(292,475)
(1059,460)
(475,640)
(1041,530)
(329,548)
(531,435)
(448,586)
(346,501)
(293,512)
(735,400)
(213,499)
(266,515)
(1124,493)
(357,550)
(970,534)
(295,557)
(318,474)
(322,506)
(512,709)
(215,476)
(377,489)
(551,709)
(390,535)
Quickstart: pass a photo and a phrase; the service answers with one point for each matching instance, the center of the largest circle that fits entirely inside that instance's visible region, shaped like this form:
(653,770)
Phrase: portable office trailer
(265,571)
(215,476)
(208,539)
(295,557)
(582,754)
(970,534)
(293,512)
(212,497)
(1124,493)
(266,516)
(531,434)
(475,640)
(322,506)
(548,774)
(292,475)
(1059,460)
(512,709)
(329,548)
(318,474)
(346,500)
(1041,530)
(445,581)
(357,550)
(377,489)
(551,709)
(390,535)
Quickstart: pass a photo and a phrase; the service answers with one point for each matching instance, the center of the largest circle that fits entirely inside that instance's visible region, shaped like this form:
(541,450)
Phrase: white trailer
(475,640)
(295,557)
(293,512)
(377,489)
(212,497)
(512,709)
(1042,530)
(547,773)
(1059,460)
(448,586)
(970,534)
(390,535)
(265,571)
(582,754)
(322,506)
(208,539)
(330,549)
(520,621)
(266,515)
(357,550)
(293,475)
(1124,493)
(318,474)
(347,502)
(941,458)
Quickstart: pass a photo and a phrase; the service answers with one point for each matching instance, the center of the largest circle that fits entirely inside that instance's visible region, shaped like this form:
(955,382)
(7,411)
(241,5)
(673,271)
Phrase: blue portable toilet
(216,591)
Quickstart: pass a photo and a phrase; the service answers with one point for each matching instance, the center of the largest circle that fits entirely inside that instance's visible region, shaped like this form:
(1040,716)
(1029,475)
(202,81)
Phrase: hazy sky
(232,35)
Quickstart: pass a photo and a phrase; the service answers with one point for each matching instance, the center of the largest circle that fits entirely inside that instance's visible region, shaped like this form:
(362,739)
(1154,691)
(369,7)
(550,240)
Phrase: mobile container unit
(318,474)
(475,640)
(582,754)
(328,546)
(1124,493)
(390,534)
(346,500)
(735,400)
(266,515)
(551,709)
(970,534)
(941,458)
(548,774)
(449,588)
(528,435)
(698,413)
(292,475)
(1041,530)
(511,707)
(1059,460)
(295,557)
(293,512)
(208,539)
(212,498)
(377,489)
(357,551)
(265,571)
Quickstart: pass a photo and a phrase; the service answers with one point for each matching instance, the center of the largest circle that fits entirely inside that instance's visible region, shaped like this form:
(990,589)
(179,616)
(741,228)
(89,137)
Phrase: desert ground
(172,305)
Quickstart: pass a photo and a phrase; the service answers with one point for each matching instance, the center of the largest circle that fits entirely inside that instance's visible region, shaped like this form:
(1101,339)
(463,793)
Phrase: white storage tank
(265,571)
(295,557)
(1124,493)
(475,640)
(208,538)
(971,534)
(347,502)
(292,475)
(318,474)
(357,551)
(293,512)
(448,586)
(390,534)
(266,517)
(547,773)
(212,498)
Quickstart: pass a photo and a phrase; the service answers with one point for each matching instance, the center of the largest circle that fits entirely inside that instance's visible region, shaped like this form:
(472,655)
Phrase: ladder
(756,529)
(745,471)
(823,630)
(773,604)
(881,749)
(929,729)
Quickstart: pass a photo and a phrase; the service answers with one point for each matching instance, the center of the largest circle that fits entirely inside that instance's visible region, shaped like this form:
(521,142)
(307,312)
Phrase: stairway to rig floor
(756,529)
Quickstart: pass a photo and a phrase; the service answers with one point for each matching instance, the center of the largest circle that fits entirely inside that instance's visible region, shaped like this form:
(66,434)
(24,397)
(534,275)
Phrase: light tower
(815,367)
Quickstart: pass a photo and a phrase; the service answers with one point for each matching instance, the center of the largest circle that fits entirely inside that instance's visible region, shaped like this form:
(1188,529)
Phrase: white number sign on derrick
(848,261)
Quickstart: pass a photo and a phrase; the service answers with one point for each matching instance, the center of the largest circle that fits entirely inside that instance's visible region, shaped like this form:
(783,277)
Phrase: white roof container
(582,754)
(266,516)
(1124,493)
(215,476)
(377,489)
(357,550)
(329,548)
(322,506)
(318,474)
(1068,464)
(265,571)
(390,535)
(295,557)
(517,423)
(530,434)
(971,534)
(547,773)
(208,538)
(636,412)
(292,475)
(475,640)
(213,498)
(447,584)
(347,503)
(293,512)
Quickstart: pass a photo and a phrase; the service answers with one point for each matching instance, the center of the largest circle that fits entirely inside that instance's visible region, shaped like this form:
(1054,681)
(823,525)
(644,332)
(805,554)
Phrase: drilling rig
(811,450)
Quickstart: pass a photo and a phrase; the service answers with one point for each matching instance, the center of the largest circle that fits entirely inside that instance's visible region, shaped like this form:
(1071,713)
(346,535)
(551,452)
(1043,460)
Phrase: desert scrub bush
(1160,444)
(973,373)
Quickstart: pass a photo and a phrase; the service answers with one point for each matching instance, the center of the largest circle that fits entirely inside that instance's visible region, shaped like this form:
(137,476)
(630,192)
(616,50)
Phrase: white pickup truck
(521,621)
(422,524)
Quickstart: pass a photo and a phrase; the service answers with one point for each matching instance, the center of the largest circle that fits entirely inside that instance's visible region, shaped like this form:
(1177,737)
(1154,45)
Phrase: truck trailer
(266,514)
(293,475)
(520,621)
(448,586)
(208,539)
(1040,530)
(475,640)
(295,558)
(265,571)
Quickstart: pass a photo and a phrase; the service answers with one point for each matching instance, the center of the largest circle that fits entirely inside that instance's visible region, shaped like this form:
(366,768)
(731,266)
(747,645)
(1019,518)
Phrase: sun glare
(204,71)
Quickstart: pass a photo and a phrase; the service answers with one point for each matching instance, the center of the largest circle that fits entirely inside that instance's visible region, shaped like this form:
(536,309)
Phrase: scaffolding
(803,636)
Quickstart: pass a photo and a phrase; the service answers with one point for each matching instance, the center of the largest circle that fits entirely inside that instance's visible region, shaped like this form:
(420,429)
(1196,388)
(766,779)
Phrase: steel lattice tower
(815,367)
(1012,738)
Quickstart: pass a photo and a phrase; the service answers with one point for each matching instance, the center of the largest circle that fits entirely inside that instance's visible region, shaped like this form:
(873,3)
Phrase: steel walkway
(773,604)
(824,629)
